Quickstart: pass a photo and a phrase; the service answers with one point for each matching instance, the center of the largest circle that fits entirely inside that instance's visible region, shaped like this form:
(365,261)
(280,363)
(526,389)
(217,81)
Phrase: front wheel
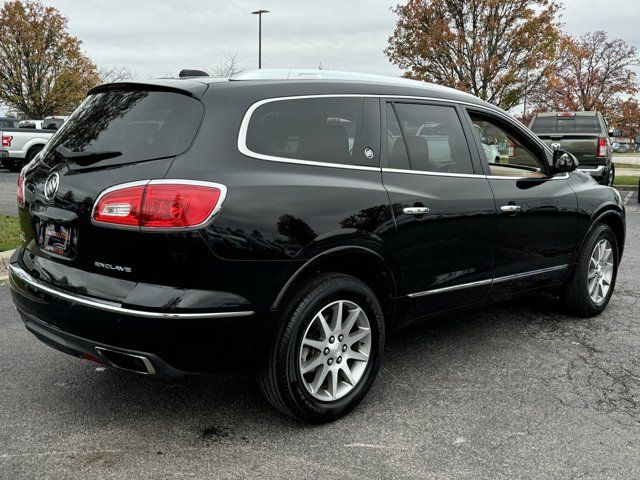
(327,350)
(590,288)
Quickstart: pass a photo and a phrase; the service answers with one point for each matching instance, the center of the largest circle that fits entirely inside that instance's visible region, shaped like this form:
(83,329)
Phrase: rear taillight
(6,140)
(21,190)
(159,204)
(512,149)
(602,147)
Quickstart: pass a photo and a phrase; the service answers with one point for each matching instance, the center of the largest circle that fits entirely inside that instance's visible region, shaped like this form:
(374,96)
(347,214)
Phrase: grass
(626,165)
(9,233)
(626,180)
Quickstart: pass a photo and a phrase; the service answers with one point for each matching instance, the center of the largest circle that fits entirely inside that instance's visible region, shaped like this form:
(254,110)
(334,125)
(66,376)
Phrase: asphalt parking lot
(513,391)
(8,185)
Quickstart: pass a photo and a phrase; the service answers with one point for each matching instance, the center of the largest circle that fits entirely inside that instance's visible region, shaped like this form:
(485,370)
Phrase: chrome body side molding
(488,281)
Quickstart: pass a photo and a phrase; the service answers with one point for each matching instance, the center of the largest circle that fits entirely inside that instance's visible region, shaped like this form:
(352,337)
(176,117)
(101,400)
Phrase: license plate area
(57,240)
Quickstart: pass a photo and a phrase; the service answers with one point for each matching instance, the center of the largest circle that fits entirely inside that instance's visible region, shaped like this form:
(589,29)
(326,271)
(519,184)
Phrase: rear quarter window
(328,130)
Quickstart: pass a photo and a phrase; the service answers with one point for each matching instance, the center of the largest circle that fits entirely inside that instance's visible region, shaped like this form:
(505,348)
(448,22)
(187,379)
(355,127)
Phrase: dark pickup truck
(585,135)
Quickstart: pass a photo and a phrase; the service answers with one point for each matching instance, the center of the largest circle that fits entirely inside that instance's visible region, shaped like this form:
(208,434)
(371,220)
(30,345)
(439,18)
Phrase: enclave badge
(51,185)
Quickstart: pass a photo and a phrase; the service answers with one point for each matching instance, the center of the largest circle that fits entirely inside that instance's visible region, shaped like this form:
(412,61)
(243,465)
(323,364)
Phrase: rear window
(577,124)
(136,125)
(313,129)
(7,123)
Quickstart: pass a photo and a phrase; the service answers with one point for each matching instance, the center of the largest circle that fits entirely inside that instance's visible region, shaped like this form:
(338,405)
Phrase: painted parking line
(626,199)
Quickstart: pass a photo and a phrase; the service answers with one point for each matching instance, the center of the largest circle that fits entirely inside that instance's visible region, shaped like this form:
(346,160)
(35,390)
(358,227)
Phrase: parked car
(23,144)
(490,149)
(621,147)
(584,134)
(8,122)
(284,223)
(32,124)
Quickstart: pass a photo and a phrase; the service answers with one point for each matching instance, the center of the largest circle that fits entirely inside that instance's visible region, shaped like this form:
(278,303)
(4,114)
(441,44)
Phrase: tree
(592,73)
(115,73)
(626,117)
(228,67)
(43,70)
(498,50)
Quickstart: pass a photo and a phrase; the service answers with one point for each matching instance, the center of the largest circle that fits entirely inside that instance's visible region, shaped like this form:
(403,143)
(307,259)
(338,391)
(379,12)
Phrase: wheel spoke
(358,335)
(337,311)
(346,371)
(326,330)
(607,254)
(311,364)
(333,384)
(593,283)
(359,356)
(317,344)
(351,319)
(318,380)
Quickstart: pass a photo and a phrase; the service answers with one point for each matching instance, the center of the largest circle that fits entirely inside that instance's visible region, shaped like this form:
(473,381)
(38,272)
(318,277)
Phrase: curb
(4,264)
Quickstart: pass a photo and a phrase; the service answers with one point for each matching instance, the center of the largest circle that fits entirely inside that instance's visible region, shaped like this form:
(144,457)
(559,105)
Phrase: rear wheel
(611,176)
(327,351)
(13,164)
(590,288)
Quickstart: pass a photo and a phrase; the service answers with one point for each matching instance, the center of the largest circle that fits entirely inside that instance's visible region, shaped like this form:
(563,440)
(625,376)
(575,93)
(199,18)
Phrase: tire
(577,297)
(13,164)
(611,176)
(282,381)
(33,151)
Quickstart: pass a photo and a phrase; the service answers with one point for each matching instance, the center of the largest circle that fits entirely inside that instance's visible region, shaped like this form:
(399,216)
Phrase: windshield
(577,124)
(139,124)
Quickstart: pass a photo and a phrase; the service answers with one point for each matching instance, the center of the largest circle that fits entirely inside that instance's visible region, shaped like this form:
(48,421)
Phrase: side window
(506,156)
(329,130)
(427,138)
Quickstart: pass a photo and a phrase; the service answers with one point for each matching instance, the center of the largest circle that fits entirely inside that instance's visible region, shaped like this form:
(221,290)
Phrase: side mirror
(564,162)
(616,132)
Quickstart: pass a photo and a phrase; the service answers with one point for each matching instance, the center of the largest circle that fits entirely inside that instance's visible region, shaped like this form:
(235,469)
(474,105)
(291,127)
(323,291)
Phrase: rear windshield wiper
(86,158)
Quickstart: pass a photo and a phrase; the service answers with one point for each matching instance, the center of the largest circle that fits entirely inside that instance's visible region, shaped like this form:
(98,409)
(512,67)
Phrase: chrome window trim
(488,281)
(244,126)
(115,307)
(164,181)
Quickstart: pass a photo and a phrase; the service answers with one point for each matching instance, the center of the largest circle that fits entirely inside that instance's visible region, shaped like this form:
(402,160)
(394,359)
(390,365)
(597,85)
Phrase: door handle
(416,210)
(511,208)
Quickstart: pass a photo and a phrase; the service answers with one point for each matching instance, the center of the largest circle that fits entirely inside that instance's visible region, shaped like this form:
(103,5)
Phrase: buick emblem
(556,146)
(51,186)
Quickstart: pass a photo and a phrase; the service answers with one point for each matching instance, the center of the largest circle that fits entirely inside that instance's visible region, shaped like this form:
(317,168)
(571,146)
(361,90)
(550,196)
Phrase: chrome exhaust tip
(126,361)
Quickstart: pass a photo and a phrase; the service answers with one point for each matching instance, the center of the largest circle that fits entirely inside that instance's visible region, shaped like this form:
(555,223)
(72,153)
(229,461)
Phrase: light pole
(259,13)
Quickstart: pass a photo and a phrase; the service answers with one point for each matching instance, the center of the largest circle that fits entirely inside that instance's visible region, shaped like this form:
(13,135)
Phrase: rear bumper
(594,171)
(172,343)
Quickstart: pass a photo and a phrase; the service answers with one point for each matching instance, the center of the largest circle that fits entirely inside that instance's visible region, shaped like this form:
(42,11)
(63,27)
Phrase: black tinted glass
(139,124)
(433,139)
(316,129)
(577,124)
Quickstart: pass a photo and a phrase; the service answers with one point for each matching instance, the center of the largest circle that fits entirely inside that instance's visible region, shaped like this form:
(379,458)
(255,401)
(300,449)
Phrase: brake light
(512,149)
(21,190)
(6,140)
(602,147)
(567,114)
(159,204)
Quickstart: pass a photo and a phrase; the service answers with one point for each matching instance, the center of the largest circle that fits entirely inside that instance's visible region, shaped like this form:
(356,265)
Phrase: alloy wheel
(600,272)
(335,350)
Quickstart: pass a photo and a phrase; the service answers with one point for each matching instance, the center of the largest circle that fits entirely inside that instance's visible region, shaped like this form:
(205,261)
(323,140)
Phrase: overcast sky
(159,37)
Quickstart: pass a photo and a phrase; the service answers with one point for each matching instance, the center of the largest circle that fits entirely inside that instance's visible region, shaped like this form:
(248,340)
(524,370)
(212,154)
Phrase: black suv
(283,224)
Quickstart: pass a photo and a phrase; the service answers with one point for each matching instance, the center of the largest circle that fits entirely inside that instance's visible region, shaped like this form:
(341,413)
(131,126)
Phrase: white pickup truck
(20,145)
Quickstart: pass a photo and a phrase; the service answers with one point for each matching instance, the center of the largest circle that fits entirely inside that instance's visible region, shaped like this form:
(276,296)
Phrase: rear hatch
(577,134)
(120,134)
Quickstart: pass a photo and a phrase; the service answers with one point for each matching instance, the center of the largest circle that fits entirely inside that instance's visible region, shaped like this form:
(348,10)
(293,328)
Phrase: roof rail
(310,74)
